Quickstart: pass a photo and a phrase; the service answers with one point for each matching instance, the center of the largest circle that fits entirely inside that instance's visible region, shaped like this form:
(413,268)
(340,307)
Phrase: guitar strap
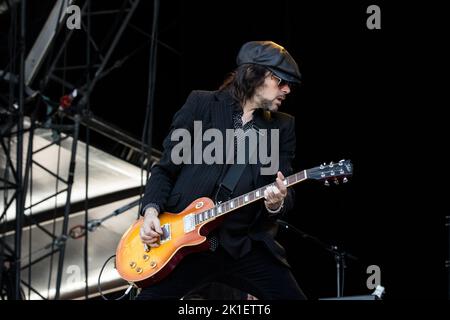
(234,173)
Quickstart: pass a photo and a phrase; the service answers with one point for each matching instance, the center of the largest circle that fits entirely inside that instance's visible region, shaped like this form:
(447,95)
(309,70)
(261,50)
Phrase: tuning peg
(345,180)
(336,181)
(331,164)
(341,162)
(326,183)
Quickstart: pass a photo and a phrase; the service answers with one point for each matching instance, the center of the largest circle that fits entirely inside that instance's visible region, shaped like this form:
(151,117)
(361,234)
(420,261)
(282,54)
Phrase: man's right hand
(151,229)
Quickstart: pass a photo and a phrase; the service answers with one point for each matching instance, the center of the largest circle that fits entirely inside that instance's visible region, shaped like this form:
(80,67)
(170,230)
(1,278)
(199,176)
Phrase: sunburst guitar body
(143,265)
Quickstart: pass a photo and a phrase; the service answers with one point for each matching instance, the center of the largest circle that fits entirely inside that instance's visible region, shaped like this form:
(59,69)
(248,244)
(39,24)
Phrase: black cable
(99,287)
(343,278)
(152,81)
(22,293)
(2,233)
(87,142)
(4,224)
(20,200)
(5,285)
(12,49)
(148,124)
(30,242)
(4,218)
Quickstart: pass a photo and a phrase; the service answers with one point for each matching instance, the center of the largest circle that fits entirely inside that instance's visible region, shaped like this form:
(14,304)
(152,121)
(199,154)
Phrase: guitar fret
(244,199)
(291,179)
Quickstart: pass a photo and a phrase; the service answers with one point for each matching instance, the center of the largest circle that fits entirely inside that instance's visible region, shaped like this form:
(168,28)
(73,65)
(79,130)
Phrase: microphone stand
(339,255)
(80,230)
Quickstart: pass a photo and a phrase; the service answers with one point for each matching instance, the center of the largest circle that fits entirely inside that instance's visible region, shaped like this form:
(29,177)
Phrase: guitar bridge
(166,236)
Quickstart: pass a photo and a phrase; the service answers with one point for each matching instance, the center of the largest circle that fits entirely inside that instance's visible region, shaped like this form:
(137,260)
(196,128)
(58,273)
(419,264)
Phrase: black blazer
(173,187)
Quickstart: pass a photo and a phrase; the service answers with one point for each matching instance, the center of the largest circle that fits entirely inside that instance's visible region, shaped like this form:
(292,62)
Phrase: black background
(360,99)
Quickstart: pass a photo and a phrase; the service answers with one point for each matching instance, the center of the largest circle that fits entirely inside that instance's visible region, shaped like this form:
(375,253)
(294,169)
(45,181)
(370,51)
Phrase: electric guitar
(185,232)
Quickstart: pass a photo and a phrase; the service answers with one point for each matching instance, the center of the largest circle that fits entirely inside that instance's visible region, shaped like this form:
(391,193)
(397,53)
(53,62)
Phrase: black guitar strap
(234,173)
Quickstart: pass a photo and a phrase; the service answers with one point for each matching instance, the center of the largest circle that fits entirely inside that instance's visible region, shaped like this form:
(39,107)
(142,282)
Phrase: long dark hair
(243,81)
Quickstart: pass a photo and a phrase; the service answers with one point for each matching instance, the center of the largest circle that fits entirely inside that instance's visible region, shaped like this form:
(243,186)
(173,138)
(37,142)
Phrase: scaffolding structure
(26,108)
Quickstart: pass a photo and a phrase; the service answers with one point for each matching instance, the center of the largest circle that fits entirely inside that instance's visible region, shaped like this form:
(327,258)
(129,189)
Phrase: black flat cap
(271,55)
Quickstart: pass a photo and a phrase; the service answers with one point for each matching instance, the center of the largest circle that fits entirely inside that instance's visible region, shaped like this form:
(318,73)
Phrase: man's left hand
(274,195)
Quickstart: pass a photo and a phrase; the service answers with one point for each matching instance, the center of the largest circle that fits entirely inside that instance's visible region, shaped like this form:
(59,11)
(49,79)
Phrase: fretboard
(245,199)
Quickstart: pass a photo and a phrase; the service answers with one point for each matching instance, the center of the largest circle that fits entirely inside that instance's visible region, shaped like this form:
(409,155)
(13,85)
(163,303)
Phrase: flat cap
(271,55)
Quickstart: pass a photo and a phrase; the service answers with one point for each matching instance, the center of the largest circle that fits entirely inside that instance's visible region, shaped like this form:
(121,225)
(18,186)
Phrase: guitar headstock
(332,172)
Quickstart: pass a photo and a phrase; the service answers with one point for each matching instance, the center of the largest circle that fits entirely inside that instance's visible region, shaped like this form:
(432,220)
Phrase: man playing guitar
(241,250)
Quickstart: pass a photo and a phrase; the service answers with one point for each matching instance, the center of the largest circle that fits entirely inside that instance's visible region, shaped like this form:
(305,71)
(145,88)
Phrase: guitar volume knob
(153,264)
(132,264)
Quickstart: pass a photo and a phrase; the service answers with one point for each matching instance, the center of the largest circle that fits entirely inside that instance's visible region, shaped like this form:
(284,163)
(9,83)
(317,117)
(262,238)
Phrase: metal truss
(17,173)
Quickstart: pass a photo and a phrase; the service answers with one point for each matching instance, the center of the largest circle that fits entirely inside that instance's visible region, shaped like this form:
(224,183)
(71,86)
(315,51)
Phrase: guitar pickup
(188,223)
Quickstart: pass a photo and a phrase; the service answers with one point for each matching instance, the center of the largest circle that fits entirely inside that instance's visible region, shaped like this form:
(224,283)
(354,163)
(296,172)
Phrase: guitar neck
(245,199)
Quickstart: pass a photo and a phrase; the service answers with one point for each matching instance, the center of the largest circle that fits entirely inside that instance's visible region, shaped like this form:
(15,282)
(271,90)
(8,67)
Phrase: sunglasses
(281,83)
